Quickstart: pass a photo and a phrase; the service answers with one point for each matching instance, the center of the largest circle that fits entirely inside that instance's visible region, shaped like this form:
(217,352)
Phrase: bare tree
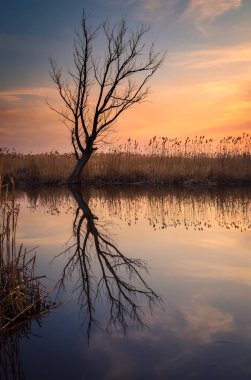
(98,90)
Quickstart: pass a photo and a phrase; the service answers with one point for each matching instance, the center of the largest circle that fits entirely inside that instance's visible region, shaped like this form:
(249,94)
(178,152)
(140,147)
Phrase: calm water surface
(156,284)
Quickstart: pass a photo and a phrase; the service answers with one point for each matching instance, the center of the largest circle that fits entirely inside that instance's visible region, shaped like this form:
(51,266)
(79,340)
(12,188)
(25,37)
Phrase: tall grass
(161,161)
(22,295)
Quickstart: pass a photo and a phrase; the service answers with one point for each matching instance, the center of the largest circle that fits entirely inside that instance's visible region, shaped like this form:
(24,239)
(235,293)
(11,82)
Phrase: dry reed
(162,161)
(22,295)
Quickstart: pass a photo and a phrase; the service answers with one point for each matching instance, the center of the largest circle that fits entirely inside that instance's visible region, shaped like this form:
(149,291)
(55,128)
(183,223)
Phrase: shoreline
(179,183)
(130,169)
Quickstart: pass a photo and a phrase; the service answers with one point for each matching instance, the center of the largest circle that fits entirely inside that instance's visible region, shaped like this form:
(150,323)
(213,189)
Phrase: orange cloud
(181,109)
(27,123)
(213,58)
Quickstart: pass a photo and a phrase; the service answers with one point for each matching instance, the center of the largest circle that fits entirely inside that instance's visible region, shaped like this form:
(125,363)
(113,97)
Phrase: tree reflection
(104,271)
(11,367)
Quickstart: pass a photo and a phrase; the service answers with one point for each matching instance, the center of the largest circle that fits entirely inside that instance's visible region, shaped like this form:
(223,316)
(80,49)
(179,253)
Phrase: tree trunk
(75,177)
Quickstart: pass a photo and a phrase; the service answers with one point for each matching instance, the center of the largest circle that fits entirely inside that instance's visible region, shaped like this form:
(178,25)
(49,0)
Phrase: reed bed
(188,161)
(22,295)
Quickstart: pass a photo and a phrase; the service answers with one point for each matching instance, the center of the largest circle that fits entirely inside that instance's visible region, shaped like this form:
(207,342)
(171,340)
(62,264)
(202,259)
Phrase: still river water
(156,284)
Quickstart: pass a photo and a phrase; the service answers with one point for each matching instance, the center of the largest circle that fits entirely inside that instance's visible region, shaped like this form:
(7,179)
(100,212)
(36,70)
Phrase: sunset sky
(204,86)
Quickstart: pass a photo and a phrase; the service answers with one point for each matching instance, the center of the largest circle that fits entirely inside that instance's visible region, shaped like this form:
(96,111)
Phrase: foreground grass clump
(22,296)
(162,161)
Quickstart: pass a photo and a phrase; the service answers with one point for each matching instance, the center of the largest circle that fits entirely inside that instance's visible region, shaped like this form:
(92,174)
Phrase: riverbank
(129,168)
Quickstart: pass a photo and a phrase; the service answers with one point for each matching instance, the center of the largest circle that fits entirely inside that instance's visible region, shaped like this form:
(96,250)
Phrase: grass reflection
(11,366)
(190,208)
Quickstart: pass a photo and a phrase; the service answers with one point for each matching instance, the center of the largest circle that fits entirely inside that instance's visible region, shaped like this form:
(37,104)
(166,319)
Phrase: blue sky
(206,74)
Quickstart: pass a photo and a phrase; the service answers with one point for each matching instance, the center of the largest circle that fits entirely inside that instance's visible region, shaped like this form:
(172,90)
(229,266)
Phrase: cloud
(205,322)
(231,128)
(152,10)
(204,12)
(155,10)
(215,57)
(27,123)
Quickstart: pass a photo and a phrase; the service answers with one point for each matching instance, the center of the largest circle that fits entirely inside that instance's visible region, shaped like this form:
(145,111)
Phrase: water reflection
(200,264)
(110,274)
(11,363)
(192,209)
(11,366)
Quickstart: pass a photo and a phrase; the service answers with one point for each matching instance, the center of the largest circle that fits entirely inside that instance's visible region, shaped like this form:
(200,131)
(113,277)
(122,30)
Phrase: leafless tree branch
(99,89)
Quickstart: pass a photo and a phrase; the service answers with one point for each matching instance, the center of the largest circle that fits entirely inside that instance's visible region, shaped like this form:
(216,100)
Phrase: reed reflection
(11,366)
(104,271)
(193,209)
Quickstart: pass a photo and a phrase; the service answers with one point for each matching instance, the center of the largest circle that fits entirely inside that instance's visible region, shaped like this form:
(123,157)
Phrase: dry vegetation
(161,161)
(22,296)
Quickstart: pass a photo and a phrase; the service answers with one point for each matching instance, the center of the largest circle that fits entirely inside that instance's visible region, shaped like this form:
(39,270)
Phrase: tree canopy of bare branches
(97,89)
